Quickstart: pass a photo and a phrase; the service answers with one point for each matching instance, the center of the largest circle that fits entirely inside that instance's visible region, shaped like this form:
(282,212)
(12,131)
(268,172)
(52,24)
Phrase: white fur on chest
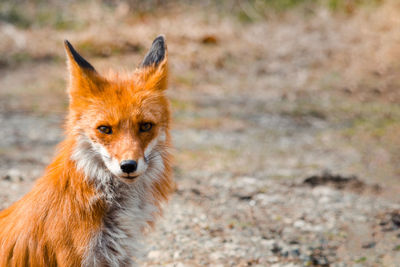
(130,208)
(120,238)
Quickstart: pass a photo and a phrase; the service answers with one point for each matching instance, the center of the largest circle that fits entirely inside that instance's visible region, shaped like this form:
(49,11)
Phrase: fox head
(122,119)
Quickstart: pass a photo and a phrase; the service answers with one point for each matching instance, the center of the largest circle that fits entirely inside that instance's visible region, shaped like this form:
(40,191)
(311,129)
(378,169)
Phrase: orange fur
(54,223)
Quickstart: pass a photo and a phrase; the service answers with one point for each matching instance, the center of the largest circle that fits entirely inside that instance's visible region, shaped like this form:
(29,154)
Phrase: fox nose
(128,166)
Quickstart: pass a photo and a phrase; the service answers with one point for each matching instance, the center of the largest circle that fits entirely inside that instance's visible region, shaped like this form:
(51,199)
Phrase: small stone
(299,224)
(276,249)
(369,245)
(269,243)
(176,254)
(396,218)
(154,254)
(295,253)
(13,175)
(216,255)
(273,259)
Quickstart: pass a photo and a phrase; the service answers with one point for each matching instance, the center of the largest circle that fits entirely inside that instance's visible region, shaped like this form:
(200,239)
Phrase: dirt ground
(259,107)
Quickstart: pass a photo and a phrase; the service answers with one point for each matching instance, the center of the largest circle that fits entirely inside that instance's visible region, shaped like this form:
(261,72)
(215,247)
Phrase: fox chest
(119,240)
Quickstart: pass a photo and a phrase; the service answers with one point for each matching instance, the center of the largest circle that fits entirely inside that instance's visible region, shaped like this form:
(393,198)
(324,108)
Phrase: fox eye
(145,127)
(105,129)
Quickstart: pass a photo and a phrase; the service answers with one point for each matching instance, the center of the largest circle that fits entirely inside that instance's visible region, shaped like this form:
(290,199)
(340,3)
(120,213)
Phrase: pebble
(154,254)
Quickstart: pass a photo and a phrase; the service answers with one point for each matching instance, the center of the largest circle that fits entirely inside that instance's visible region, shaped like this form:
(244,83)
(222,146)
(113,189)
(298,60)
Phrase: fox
(110,176)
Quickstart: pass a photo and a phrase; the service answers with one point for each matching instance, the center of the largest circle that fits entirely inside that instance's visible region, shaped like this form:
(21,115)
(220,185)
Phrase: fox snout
(128,166)
(131,163)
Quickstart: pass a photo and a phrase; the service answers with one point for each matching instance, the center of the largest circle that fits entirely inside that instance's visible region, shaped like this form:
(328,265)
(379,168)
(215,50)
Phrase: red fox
(109,178)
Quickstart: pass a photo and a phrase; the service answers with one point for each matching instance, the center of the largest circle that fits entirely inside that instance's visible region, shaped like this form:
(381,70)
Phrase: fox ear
(83,77)
(156,54)
(76,59)
(155,64)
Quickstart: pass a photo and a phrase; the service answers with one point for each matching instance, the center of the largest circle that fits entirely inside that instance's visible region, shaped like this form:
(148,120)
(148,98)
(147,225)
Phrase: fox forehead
(123,103)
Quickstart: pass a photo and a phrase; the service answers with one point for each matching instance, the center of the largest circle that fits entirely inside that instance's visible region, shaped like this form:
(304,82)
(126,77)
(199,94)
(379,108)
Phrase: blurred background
(286,120)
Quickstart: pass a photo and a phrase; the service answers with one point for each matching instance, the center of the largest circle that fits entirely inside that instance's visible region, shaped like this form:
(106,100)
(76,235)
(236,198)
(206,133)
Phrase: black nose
(128,166)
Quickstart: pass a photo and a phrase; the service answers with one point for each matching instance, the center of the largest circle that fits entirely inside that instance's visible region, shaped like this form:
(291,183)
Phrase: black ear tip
(78,58)
(70,47)
(159,43)
(157,52)
(159,39)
